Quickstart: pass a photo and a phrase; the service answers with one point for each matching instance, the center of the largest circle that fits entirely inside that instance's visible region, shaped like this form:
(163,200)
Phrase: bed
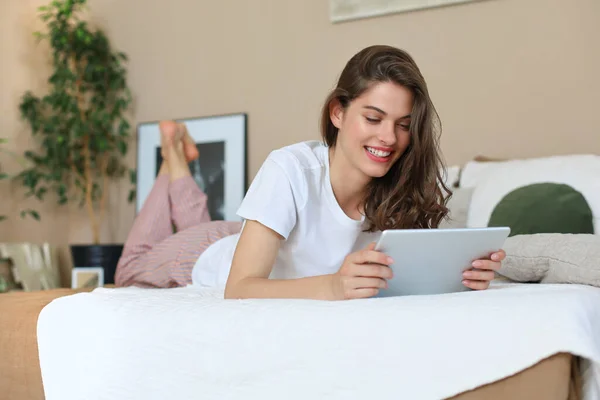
(513,341)
(557,377)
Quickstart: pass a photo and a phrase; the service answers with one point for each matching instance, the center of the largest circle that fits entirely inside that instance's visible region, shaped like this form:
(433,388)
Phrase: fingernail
(467,274)
(477,264)
(465,282)
(390,260)
(495,257)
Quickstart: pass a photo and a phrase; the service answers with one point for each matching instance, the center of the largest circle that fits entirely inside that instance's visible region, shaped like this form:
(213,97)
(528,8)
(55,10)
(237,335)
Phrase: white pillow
(458,208)
(475,171)
(452,175)
(497,179)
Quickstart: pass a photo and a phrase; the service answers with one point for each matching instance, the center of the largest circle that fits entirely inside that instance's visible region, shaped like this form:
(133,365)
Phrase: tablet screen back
(431,261)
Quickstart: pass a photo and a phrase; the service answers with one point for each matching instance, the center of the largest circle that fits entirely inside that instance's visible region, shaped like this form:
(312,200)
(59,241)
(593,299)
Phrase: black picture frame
(221,171)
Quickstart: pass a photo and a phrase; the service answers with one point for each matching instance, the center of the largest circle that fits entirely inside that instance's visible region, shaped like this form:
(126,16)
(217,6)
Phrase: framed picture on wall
(221,169)
(346,10)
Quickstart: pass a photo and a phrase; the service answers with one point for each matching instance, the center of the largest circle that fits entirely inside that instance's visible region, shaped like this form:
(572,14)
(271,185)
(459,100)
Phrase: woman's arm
(252,263)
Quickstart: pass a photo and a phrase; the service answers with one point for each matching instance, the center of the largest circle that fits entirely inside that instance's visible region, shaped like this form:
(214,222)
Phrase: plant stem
(104,167)
(88,190)
(87,169)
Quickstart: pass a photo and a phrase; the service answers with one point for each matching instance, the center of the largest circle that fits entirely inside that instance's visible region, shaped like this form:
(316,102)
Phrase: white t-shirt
(292,195)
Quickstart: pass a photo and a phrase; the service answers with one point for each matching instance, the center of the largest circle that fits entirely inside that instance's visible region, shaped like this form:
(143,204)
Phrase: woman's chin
(376,171)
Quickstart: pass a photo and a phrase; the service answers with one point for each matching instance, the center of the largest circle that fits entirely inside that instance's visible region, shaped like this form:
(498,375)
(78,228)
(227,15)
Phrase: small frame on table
(221,169)
(87,277)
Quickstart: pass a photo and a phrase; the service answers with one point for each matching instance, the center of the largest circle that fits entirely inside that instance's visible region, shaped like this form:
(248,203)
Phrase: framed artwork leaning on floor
(221,169)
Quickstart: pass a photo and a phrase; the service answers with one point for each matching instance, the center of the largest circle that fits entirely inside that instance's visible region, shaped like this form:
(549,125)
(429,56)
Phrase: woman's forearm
(314,287)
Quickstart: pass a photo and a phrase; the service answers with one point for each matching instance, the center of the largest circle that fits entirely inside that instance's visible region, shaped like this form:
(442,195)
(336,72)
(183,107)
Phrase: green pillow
(543,208)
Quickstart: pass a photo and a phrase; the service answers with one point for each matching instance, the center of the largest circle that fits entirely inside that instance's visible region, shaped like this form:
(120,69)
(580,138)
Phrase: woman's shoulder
(302,156)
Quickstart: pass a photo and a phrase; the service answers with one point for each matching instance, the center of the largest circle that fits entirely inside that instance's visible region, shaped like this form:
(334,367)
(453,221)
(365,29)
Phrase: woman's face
(374,128)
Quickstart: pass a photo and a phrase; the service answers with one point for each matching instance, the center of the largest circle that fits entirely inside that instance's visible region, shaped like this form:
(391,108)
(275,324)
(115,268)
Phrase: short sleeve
(272,198)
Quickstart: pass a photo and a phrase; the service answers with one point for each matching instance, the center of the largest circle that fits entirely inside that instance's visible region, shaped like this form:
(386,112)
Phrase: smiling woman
(378,169)
(315,209)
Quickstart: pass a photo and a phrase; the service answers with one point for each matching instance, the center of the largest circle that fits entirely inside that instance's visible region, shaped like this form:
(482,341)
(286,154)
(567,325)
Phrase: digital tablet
(431,261)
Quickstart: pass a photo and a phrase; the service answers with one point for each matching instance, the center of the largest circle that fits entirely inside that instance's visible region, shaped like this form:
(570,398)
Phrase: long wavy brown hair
(413,193)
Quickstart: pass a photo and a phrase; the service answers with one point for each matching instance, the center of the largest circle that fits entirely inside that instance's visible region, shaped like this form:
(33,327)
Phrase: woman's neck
(348,184)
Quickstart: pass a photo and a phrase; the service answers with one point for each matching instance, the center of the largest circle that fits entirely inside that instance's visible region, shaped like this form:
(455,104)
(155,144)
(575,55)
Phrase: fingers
(487,264)
(369,256)
(498,256)
(476,285)
(480,278)
(364,283)
(479,275)
(372,271)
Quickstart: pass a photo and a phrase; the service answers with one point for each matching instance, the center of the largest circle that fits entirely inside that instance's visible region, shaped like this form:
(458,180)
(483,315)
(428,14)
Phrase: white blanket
(190,344)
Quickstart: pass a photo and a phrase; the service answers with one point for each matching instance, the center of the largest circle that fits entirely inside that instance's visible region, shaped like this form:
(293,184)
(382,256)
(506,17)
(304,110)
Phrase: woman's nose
(387,134)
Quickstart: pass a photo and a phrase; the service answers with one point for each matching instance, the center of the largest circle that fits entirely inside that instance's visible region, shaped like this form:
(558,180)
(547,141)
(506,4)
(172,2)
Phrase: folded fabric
(553,258)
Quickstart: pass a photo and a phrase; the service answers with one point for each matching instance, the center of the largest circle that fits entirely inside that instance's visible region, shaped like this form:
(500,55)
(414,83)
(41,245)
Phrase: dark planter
(105,256)
(7,281)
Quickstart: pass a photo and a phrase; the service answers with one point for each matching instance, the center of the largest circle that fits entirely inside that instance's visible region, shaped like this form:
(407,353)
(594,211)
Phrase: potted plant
(81,125)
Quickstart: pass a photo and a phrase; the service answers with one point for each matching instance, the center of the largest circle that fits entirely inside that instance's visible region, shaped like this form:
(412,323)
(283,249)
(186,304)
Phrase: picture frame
(221,169)
(87,277)
(347,10)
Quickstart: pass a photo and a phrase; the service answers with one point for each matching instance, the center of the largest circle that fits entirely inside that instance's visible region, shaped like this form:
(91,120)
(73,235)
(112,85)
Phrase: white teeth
(378,153)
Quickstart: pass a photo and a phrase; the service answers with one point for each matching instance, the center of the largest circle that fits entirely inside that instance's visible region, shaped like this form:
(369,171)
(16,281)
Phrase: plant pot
(105,256)
(7,280)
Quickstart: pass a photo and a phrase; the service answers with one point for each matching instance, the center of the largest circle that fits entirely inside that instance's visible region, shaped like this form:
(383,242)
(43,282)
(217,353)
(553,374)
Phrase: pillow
(475,171)
(543,208)
(458,206)
(451,175)
(497,179)
(552,258)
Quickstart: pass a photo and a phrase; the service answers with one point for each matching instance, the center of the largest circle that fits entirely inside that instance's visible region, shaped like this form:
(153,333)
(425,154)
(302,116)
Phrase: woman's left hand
(483,271)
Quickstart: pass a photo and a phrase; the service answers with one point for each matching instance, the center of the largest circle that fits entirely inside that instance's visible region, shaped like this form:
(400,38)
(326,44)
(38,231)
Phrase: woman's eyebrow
(383,112)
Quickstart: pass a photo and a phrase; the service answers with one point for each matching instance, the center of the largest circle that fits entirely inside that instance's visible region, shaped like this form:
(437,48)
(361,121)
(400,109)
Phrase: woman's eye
(404,127)
(372,120)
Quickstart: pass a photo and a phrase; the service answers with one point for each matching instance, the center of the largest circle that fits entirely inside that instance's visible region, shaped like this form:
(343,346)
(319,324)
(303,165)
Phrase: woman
(314,210)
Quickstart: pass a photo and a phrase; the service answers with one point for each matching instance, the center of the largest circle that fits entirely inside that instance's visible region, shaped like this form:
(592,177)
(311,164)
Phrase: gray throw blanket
(553,258)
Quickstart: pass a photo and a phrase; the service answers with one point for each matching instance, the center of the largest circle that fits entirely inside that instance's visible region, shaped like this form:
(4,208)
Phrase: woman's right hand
(362,274)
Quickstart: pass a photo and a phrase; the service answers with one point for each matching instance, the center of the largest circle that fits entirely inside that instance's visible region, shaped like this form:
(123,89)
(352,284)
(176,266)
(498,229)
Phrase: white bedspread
(190,344)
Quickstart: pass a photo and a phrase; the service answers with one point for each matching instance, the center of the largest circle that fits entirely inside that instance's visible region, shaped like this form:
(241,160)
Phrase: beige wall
(510,78)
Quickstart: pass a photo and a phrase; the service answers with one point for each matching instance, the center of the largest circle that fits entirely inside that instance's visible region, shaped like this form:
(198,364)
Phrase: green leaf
(40,193)
(102,143)
(3,217)
(131,196)
(34,214)
(122,147)
(124,127)
(62,190)
(3,176)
